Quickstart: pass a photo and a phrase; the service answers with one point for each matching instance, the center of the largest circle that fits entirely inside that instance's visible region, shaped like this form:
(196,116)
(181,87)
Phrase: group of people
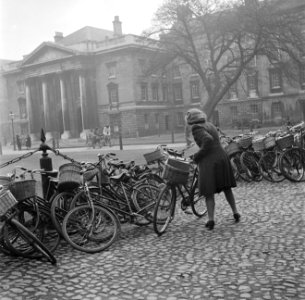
(26,141)
(99,138)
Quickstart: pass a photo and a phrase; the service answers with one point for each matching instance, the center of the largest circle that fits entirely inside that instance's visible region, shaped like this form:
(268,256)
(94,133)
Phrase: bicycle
(21,235)
(177,181)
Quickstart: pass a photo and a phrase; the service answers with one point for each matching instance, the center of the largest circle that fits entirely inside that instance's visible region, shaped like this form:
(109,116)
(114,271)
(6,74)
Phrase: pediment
(46,53)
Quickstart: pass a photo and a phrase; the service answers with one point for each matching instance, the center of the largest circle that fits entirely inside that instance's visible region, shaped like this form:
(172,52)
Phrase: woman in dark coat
(215,170)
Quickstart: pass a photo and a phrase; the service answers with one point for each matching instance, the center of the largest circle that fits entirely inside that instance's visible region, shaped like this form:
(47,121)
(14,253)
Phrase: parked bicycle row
(276,156)
(87,203)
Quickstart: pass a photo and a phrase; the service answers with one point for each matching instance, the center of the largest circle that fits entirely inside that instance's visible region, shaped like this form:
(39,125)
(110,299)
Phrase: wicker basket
(69,177)
(269,142)
(175,175)
(258,144)
(232,148)
(23,189)
(154,156)
(179,164)
(245,142)
(7,201)
(285,142)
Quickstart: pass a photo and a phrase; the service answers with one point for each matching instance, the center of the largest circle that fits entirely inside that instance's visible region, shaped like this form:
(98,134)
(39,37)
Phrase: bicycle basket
(245,142)
(5,181)
(7,201)
(285,142)
(258,144)
(23,189)
(154,156)
(232,148)
(269,142)
(175,175)
(69,177)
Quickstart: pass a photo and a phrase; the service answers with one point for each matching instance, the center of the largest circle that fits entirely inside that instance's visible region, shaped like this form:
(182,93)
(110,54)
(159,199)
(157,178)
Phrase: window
(234,111)
(302,76)
(144,91)
(157,120)
(233,92)
(165,92)
(254,108)
(275,77)
(146,125)
(176,72)
(155,92)
(22,108)
(177,91)
(113,93)
(111,67)
(21,86)
(277,107)
(195,89)
(252,85)
(180,118)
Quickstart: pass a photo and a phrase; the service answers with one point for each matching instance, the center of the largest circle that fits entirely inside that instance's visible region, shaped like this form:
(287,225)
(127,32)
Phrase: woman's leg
(231,200)
(210,202)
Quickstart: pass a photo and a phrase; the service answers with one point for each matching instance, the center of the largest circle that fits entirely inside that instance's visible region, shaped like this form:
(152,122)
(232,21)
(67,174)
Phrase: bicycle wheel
(164,209)
(60,206)
(249,162)
(26,239)
(144,199)
(239,170)
(269,165)
(90,230)
(292,163)
(198,204)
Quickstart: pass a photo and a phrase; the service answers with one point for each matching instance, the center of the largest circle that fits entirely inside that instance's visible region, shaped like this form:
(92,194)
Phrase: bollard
(46,164)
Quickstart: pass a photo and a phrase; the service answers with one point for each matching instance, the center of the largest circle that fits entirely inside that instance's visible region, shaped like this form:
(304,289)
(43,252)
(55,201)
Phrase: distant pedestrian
(28,142)
(107,135)
(215,170)
(18,142)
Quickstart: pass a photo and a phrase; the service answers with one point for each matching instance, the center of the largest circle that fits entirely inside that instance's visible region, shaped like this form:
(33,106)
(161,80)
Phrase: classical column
(64,107)
(29,108)
(46,109)
(82,95)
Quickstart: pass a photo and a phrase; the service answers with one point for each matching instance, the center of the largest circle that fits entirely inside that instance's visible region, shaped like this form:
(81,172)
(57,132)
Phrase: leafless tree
(219,39)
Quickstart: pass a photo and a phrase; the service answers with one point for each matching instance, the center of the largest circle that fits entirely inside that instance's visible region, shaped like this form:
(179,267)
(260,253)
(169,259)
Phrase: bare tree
(218,39)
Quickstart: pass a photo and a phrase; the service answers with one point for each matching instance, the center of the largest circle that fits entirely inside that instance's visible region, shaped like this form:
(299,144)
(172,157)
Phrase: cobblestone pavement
(262,257)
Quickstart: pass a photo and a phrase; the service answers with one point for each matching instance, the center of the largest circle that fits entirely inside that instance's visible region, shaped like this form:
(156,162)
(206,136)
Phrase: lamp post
(12,119)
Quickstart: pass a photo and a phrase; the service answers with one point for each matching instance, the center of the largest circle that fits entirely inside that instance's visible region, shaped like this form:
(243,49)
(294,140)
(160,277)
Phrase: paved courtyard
(262,257)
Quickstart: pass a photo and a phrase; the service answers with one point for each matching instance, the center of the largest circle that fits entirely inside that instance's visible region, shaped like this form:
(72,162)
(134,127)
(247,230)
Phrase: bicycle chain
(16,159)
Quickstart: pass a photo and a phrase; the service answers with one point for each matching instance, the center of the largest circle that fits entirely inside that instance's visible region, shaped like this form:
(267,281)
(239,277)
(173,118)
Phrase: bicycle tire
(197,202)
(60,205)
(76,223)
(239,169)
(249,162)
(165,204)
(269,165)
(144,199)
(292,164)
(29,238)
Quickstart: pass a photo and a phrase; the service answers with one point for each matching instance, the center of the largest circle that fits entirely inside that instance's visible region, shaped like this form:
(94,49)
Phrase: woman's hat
(195,115)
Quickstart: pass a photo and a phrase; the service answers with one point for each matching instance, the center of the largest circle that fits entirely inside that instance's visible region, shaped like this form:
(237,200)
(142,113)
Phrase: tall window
(177,91)
(21,87)
(252,85)
(165,92)
(146,125)
(195,90)
(157,120)
(275,77)
(176,72)
(180,118)
(155,92)
(234,112)
(113,93)
(144,92)
(254,108)
(22,108)
(111,68)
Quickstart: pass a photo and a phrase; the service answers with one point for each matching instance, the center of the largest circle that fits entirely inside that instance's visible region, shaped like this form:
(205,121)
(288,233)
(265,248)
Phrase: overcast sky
(25,24)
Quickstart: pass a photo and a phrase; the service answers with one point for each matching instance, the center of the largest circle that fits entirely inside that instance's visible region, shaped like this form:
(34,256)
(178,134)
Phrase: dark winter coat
(215,170)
